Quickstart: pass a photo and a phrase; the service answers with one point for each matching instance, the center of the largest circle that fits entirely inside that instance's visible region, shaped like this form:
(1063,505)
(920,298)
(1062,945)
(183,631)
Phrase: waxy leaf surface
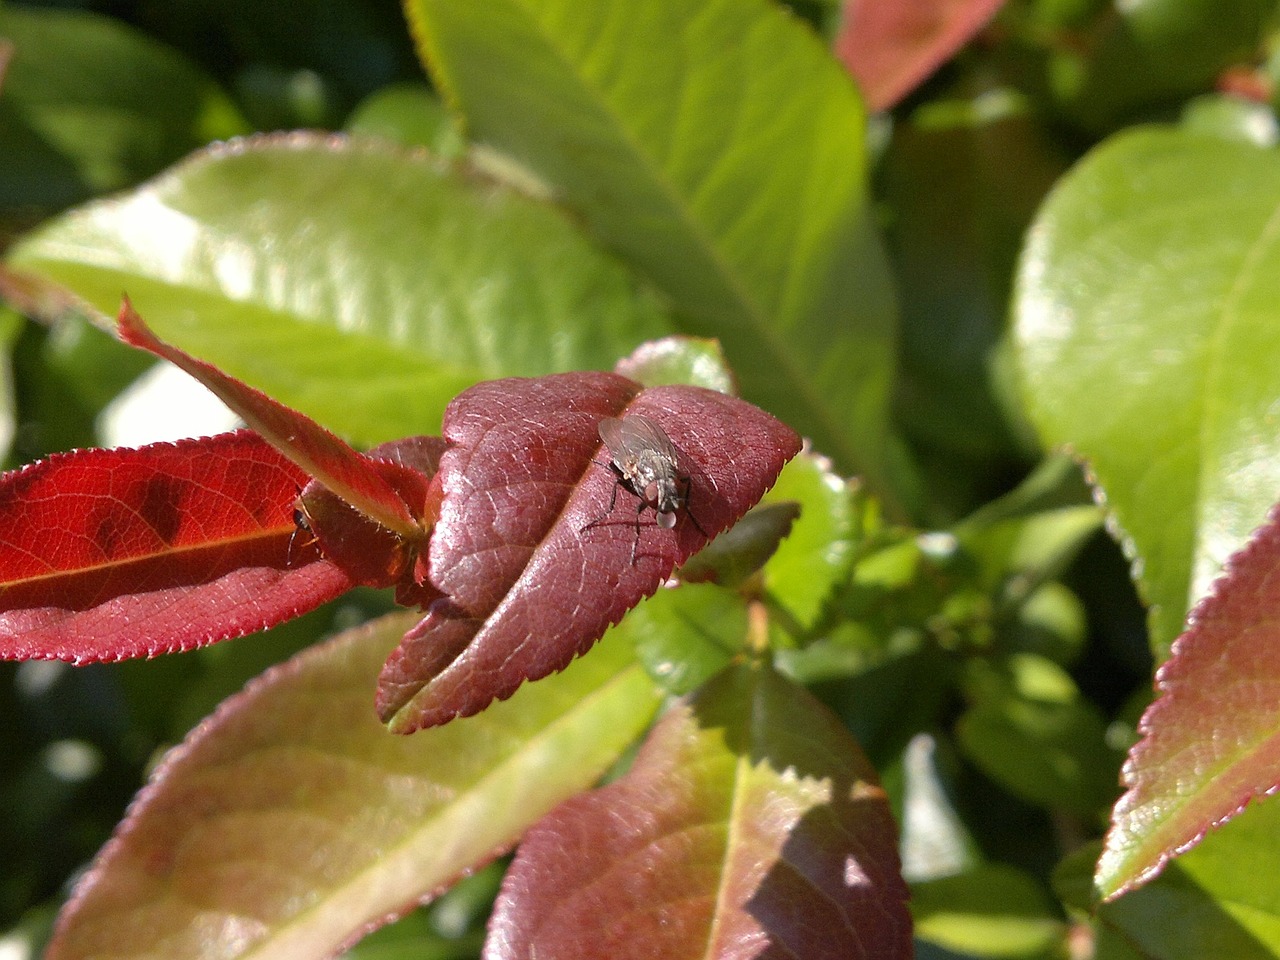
(363,284)
(533,564)
(718,148)
(290,822)
(1145,319)
(108,554)
(750,825)
(1211,740)
(890,48)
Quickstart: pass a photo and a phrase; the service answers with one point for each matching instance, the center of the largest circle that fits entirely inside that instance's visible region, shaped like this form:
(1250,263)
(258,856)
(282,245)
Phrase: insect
(301,524)
(645,462)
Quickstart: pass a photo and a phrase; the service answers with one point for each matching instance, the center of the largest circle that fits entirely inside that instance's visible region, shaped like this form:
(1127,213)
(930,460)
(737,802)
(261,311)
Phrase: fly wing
(629,437)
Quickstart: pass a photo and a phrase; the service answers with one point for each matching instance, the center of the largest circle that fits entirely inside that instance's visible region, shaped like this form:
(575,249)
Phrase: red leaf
(750,825)
(1211,741)
(372,555)
(532,569)
(372,488)
(890,48)
(108,554)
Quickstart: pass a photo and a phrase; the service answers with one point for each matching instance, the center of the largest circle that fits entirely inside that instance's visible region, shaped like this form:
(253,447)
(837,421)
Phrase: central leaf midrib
(729,280)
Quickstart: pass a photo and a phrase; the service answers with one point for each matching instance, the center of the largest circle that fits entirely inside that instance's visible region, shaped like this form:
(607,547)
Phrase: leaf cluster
(998,641)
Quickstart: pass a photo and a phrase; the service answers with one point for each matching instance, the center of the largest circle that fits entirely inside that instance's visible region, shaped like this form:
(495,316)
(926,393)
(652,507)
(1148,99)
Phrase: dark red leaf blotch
(110,554)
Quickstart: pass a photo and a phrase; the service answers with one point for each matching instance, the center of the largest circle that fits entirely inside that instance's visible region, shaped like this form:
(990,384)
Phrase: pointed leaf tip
(322,455)
(1210,740)
(542,545)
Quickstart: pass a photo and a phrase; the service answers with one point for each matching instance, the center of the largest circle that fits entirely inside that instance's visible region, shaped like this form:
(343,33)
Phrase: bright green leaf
(719,147)
(361,284)
(819,551)
(991,910)
(1146,307)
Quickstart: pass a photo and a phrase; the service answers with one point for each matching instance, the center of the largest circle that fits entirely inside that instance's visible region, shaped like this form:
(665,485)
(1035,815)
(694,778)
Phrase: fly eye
(651,492)
(666,519)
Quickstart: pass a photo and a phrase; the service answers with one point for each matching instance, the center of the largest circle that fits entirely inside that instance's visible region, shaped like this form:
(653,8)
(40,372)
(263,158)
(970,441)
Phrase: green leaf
(10,329)
(819,551)
(991,910)
(963,178)
(409,114)
(359,283)
(291,821)
(1146,306)
(689,360)
(719,147)
(1231,118)
(1031,731)
(1037,526)
(688,635)
(1050,622)
(91,105)
(1180,45)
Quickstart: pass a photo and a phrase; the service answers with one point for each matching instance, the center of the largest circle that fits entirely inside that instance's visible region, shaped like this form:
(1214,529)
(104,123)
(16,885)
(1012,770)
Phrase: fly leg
(301,524)
(636,542)
(688,509)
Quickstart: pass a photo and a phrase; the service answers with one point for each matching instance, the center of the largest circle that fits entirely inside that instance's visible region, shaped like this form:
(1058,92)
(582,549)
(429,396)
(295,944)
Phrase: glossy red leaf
(891,48)
(109,554)
(373,488)
(750,825)
(532,564)
(1211,740)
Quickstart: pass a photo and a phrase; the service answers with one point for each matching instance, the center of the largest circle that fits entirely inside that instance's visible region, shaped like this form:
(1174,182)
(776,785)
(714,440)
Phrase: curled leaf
(370,487)
(541,545)
(372,555)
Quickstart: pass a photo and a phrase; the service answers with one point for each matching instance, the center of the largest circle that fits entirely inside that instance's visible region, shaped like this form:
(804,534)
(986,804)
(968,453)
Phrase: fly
(645,463)
(301,524)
